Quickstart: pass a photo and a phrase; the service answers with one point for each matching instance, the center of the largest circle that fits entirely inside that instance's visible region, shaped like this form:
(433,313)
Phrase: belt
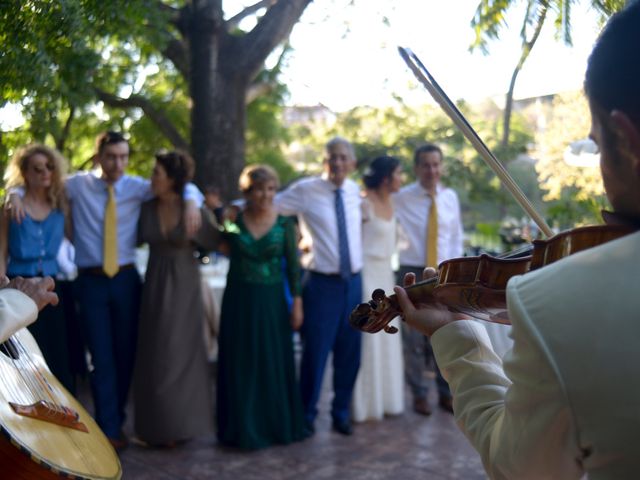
(100,272)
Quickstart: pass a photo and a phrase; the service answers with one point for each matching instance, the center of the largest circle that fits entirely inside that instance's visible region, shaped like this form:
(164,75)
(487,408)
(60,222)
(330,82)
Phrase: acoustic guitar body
(32,446)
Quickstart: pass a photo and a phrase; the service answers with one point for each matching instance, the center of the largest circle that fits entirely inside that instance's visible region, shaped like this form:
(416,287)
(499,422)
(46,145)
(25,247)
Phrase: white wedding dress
(379,388)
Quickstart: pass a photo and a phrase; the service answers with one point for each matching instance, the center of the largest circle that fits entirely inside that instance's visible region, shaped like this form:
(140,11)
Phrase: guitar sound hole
(9,349)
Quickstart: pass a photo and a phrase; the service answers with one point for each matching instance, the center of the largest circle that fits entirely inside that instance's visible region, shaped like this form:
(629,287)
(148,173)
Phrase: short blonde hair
(255,175)
(14,176)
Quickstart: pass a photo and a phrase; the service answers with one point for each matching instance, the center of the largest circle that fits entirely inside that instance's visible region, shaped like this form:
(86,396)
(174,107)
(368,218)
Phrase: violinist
(564,402)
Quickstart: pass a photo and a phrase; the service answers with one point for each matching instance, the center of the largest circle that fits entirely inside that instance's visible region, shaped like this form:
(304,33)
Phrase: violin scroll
(376,314)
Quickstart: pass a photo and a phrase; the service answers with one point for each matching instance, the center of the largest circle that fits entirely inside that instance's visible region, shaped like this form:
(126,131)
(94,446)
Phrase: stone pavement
(405,447)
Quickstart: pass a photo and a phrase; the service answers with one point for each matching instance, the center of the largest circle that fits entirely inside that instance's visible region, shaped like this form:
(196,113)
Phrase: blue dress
(33,246)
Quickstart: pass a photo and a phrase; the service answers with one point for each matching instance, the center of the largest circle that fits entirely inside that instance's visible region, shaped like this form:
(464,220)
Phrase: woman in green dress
(258,398)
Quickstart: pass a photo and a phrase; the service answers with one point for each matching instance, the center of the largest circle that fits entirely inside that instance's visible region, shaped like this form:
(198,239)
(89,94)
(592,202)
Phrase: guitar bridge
(49,412)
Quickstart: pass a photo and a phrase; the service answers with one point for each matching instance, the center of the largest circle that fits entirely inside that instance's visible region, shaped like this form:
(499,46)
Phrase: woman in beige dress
(171,388)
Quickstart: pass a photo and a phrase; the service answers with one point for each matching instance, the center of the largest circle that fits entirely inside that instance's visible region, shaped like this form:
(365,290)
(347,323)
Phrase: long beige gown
(172,389)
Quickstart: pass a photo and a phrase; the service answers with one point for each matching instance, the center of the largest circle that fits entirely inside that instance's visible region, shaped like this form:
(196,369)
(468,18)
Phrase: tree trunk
(218,129)
(217,113)
(222,65)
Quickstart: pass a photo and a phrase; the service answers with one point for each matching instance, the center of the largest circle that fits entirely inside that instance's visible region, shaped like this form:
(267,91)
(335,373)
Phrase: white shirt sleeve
(191,192)
(17,311)
(515,414)
(290,201)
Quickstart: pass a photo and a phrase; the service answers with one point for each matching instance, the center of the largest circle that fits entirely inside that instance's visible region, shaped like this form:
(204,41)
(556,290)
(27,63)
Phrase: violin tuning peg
(378,295)
(390,329)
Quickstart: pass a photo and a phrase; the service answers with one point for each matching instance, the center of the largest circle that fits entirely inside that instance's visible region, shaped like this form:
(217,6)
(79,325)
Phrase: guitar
(44,431)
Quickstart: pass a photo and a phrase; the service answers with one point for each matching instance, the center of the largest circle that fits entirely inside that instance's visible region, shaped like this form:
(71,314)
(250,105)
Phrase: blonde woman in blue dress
(379,388)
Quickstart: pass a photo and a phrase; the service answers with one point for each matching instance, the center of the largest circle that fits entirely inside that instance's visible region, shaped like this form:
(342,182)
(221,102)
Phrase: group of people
(560,404)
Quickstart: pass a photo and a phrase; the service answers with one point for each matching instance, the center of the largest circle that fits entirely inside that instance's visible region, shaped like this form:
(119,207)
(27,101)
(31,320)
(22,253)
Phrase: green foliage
(489,18)
(55,53)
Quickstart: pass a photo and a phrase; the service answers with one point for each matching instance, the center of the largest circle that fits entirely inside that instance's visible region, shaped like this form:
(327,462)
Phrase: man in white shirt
(413,207)
(330,217)
(20,301)
(564,402)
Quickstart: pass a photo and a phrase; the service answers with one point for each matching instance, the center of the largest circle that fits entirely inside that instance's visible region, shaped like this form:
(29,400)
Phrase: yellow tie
(432,235)
(110,252)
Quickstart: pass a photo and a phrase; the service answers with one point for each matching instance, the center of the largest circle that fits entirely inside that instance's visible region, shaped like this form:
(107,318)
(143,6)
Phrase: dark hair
(108,138)
(179,167)
(611,81)
(426,148)
(378,170)
(255,175)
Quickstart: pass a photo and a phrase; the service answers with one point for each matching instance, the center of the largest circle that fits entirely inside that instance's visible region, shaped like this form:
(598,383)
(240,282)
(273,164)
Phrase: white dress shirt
(87,194)
(412,205)
(17,310)
(313,200)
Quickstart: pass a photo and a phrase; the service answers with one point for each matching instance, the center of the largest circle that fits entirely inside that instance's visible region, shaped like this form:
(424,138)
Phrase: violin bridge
(49,412)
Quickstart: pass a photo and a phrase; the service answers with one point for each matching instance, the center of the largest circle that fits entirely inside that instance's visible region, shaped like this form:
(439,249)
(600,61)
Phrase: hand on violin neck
(427,318)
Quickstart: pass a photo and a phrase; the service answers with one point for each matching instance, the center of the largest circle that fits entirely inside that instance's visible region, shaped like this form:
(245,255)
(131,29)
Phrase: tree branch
(60,142)
(177,51)
(156,115)
(256,90)
(233,22)
(274,27)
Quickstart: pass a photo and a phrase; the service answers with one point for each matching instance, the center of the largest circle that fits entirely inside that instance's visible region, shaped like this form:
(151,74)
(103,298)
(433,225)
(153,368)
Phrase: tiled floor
(405,447)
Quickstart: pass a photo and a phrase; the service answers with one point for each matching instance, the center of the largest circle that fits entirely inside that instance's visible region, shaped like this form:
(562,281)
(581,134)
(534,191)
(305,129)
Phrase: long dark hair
(378,170)
(179,167)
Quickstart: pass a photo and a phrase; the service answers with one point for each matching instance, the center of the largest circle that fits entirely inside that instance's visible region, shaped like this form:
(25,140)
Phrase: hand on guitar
(424,317)
(40,290)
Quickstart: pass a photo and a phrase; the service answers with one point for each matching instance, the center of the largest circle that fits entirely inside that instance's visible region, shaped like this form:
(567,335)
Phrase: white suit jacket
(17,310)
(566,401)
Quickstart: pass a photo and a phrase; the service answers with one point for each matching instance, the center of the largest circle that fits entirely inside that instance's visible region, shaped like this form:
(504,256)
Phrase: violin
(476,286)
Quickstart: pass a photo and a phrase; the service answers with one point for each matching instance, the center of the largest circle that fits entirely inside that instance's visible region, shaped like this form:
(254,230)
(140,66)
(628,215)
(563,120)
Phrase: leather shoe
(343,428)
(446,403)
(421,406)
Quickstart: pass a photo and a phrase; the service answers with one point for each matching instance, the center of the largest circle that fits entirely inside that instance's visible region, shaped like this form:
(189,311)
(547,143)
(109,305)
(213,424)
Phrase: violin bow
(423,75)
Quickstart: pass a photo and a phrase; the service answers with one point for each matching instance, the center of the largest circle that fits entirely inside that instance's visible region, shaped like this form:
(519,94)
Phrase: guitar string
(42,388)
(17,395)
(27,394)
(23,370)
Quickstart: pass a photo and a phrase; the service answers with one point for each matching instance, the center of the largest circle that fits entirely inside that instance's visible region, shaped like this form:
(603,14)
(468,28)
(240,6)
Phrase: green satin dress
(258,397)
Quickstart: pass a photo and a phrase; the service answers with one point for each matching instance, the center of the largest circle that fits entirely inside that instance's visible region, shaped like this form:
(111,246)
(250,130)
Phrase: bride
(379,388)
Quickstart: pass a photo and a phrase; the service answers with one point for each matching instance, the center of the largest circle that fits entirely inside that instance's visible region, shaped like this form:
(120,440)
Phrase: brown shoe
(446,403)
(421,406)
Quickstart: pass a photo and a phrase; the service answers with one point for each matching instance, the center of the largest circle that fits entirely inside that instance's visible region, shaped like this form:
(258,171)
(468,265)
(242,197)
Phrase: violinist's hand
(424,317)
